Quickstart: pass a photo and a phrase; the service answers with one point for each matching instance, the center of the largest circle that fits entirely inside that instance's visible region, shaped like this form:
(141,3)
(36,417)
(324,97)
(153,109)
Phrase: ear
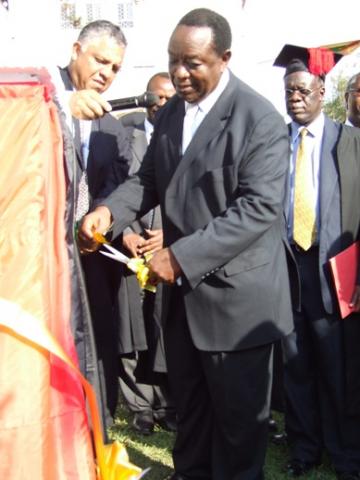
(226,58)
(76,48)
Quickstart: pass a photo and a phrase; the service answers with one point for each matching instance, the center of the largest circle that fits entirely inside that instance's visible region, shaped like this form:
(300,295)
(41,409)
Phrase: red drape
(44,434)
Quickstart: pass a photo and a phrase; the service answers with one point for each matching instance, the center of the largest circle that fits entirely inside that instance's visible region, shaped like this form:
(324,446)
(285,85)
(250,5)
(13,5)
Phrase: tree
(335,107)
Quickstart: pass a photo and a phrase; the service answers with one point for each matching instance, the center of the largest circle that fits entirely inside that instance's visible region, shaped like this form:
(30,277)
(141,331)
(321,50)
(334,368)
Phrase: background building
(40,32)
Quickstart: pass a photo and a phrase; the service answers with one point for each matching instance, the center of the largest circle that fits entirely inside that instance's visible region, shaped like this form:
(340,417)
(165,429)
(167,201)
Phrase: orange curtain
(44,434)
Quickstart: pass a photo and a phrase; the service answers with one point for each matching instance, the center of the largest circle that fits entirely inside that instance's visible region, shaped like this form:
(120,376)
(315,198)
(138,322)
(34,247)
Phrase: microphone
(145,100)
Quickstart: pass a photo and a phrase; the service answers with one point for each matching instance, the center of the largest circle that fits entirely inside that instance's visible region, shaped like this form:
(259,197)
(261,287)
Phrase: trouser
(315,379)
(141,397)
(222,401)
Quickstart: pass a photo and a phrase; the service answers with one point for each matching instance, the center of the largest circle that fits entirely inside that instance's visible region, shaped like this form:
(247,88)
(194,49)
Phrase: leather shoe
(297,468)
(348,475)
(272,425)
(279,438)
(176,476)
(143,423)
(167,423)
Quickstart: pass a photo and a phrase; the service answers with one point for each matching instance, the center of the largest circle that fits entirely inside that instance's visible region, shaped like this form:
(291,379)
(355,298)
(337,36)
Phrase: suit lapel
(139,146)
(209,129)
(328,167)
(174,134)
(65,76)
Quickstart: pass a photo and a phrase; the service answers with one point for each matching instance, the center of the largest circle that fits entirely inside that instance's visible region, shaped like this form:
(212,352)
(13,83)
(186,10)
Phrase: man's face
(95,64)
(353,103)
(304,95)
(164,89)
(194,65)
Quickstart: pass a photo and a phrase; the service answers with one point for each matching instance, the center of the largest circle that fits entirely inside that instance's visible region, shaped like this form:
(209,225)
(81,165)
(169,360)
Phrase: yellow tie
(304,198)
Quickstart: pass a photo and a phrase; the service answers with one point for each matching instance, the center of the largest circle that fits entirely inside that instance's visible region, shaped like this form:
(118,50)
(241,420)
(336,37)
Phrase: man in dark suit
(217,165)
(140,312)
(100,145)
(352,101)
(322,363)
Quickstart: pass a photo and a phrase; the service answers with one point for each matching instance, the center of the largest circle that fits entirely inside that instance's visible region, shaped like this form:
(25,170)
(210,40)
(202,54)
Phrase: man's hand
(355,300)
(97,221)
(88,105)
(164,267)
(132,242)
(153,243)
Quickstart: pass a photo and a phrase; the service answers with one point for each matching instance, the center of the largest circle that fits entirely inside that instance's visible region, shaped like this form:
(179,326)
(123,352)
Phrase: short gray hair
(98,28)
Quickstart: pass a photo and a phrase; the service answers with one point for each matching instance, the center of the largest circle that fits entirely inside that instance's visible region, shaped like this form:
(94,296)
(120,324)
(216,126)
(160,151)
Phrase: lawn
(155,452)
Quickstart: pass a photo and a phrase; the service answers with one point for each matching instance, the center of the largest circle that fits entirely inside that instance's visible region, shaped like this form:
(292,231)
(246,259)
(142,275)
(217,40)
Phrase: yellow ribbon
(137,265)
(112,460)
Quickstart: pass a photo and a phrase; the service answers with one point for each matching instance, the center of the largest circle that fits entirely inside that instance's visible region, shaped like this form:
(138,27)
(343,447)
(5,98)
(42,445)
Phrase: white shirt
(149,128)
(196,112)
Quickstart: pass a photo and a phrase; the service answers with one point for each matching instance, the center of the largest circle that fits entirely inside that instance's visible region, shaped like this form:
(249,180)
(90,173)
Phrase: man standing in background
(321,377)
(101,146)
(352,101)
(140,312)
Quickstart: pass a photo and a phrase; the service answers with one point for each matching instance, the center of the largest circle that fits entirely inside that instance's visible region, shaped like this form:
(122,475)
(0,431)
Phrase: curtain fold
(44,434)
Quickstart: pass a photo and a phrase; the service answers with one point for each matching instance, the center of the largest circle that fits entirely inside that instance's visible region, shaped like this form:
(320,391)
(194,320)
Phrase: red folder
(344,267)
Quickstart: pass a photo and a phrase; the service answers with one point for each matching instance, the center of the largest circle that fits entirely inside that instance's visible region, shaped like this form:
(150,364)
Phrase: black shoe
(143,423)
(348,475)
(272,425)
(176,476)
(279,438)
(297,468)
(167,423)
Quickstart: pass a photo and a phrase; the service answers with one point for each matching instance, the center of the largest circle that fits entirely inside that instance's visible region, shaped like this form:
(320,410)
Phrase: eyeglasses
(354,91)
(304,92)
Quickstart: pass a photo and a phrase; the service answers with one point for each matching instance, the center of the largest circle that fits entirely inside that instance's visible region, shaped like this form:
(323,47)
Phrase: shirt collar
(315,128)
(206,105)
(348,123)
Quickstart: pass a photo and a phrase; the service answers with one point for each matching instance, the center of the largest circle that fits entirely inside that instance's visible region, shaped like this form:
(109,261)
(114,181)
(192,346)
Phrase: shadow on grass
(152,451)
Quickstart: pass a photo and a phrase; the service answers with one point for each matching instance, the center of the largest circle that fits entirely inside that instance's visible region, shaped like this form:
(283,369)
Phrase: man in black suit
(352,101)
(140,312)
(101,146)
(217,165)
(322,363)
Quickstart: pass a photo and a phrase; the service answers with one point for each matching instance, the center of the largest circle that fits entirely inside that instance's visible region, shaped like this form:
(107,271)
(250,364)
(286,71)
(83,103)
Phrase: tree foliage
(335,106)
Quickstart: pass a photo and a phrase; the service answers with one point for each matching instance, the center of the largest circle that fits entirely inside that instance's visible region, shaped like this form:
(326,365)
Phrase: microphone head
(148,99)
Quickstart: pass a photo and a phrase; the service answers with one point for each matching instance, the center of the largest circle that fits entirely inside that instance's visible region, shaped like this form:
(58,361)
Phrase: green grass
(154,451)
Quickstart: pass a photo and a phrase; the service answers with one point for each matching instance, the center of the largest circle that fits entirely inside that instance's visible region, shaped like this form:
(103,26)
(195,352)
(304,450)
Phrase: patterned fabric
(304,198)
(83,200)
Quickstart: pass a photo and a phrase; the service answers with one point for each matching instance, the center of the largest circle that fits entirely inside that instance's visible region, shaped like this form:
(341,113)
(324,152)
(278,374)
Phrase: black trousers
(315,379)
(222,401)
(155,400)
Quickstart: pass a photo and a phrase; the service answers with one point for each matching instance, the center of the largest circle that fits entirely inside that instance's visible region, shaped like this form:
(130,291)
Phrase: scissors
(115,254)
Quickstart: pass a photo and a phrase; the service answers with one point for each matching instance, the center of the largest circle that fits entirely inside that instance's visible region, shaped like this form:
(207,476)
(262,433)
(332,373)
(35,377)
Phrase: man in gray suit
(322,361)
(216,164)
(139,312)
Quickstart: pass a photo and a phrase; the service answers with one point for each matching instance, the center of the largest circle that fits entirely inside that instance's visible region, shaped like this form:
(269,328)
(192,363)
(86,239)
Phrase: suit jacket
(221,209)
(339,193)
(109,152)
(339,228)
